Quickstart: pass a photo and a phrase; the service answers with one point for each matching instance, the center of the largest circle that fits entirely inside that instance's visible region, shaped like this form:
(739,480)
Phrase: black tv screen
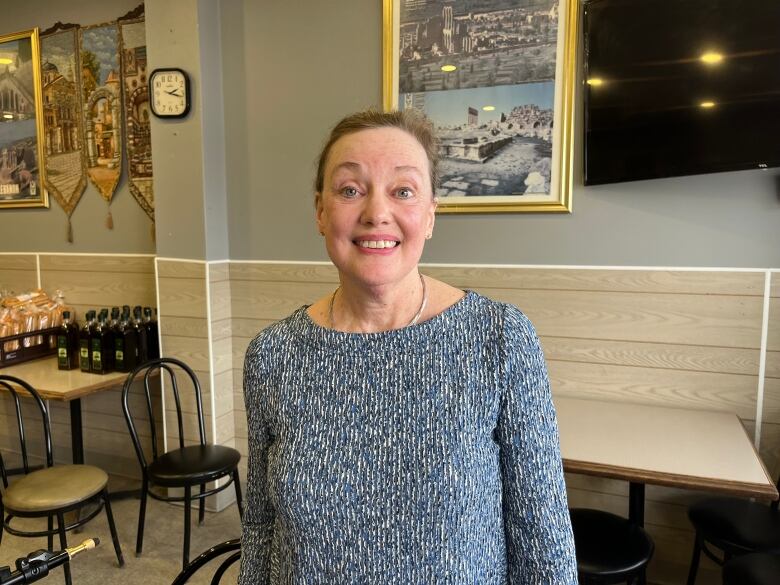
(680,87)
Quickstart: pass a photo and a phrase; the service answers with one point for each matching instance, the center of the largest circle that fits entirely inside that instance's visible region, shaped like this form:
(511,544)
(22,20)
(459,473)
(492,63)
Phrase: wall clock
(169,93)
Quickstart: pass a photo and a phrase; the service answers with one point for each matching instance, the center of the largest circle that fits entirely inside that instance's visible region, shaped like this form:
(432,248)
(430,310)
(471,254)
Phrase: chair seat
(752,569)
(740,523)
(193,465)
(58,487)
(609,546)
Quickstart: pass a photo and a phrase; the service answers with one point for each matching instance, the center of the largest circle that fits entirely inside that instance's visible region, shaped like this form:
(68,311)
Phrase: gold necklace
(412,322)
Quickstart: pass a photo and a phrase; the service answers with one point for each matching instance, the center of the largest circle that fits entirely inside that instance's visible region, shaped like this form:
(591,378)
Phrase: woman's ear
(319,212)
(432,218)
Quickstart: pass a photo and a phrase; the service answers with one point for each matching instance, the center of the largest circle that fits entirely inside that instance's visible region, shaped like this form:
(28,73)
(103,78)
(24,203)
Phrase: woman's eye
(405,193)
(349,192)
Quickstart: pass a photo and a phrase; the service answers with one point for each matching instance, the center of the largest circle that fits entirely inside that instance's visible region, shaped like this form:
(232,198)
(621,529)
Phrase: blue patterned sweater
(416,456)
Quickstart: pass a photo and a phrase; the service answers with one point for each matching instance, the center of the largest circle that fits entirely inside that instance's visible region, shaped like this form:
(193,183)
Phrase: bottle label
(62,350)
(84,355)
(97,362)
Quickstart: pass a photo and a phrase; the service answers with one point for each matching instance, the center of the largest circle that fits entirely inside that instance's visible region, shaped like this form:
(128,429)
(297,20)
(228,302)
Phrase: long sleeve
(539,540)
(258,521)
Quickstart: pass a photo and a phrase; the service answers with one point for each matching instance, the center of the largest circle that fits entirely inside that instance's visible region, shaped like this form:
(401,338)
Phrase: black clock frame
(163,70)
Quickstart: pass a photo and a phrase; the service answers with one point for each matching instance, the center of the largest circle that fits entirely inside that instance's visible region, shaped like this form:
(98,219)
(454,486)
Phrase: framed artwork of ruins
(22,174)
(496,78)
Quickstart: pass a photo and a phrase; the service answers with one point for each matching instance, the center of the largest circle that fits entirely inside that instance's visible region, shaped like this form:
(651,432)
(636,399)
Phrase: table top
(661,445)
(54,384)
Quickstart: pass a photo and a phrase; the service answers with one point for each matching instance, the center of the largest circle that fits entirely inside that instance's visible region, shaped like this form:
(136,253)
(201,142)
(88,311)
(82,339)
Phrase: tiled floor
(163,538)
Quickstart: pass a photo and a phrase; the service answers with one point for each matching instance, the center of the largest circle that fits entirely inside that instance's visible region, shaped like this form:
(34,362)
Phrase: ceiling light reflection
(711,58)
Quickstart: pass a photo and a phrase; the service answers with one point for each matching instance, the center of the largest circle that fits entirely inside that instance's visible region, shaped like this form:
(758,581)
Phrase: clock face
(170,93)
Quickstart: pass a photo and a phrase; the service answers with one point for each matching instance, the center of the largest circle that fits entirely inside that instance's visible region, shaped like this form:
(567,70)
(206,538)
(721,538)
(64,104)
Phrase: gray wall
(291,69)
(45,230)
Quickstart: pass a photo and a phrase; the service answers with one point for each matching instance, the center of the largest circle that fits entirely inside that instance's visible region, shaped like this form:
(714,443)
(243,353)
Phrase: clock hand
(173,93)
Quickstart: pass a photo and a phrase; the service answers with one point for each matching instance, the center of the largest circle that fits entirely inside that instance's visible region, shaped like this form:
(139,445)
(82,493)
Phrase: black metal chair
(229,546)
(54,490)
(735,526)
(609,548)
(186,466)
(752,569)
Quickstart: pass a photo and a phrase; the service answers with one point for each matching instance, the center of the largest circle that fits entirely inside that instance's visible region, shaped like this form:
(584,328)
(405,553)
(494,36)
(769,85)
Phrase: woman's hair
(411,121)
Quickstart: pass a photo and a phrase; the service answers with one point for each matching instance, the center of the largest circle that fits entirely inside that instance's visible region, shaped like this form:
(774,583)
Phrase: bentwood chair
(54,490)
(735,526)
(609,548)
(229,546)
(752,569)
(185,466)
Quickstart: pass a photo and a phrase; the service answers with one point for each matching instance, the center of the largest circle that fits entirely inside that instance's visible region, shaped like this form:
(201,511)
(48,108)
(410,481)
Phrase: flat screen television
(680,87)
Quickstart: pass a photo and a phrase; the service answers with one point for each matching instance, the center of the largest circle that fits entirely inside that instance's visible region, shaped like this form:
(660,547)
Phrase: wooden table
(659,445)
(66,386)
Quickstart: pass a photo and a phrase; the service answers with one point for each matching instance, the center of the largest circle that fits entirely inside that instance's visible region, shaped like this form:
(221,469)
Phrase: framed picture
(22,171)
(496,77)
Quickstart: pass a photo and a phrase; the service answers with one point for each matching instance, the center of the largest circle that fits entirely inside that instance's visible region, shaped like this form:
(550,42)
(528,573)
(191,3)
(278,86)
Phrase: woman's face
(376,208)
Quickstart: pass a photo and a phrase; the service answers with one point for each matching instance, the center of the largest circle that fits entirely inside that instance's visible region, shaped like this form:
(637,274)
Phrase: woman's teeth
(377,243)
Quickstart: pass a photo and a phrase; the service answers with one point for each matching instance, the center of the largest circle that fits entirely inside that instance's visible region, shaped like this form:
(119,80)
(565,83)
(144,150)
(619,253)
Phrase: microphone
(37,564)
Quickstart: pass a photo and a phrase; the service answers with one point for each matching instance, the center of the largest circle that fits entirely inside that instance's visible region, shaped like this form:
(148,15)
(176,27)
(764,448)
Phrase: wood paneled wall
(676,337)
(770,429)
(196,328)
(90,282)
(18,273)
(184,321)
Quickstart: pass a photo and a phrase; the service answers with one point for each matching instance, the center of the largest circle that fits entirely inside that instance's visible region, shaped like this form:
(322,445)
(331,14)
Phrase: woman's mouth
(381,244)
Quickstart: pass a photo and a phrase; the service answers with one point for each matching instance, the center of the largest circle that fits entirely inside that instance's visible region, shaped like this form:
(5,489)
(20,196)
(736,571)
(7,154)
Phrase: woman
(401,431)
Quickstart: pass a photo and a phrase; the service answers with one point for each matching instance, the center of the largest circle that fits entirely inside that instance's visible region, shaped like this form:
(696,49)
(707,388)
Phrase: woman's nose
(376,209)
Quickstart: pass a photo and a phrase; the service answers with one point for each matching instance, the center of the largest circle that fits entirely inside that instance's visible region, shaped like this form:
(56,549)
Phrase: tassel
(70,231)
(109,220)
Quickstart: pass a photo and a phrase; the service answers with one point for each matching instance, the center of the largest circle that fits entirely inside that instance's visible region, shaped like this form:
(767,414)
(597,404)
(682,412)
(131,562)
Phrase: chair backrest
(147,371)
(18,389)
(229,546)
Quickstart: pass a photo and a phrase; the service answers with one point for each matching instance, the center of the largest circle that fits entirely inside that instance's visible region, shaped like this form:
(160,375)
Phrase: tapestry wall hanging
(22,176)
(138,139)
(63,124)
(102,106)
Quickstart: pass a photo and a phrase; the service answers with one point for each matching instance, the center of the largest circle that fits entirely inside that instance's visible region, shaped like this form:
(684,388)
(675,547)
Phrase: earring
(428,236)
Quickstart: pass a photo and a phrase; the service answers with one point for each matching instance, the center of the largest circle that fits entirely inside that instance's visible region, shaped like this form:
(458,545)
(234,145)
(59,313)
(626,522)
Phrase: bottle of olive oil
(125,344)
(152,338)
(85,342)
(67,344)
(143,344)
(102,343)
(114,323)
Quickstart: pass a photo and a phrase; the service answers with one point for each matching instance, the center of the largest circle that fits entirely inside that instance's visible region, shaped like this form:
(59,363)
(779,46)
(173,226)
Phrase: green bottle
(67,344)
(102,343)
(85,343)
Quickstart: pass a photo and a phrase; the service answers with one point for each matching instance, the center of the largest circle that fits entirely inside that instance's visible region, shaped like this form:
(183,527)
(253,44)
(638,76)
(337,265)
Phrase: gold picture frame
(514,67)
(22,170)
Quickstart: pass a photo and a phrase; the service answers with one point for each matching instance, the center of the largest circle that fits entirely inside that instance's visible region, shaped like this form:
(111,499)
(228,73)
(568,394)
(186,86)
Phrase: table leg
(76,437)
(636,503)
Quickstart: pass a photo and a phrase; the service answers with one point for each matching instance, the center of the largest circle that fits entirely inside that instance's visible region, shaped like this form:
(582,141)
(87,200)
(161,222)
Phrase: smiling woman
(401,430)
